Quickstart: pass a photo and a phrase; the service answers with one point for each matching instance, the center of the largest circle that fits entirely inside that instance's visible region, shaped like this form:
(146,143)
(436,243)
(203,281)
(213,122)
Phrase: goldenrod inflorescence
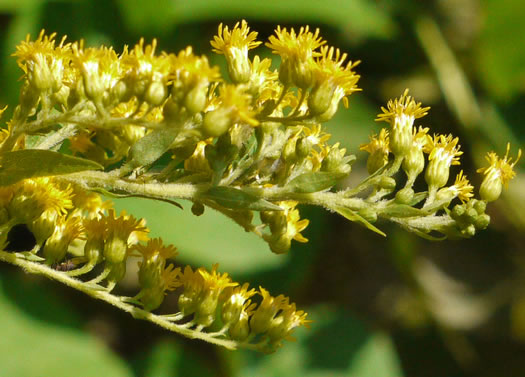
(170,126)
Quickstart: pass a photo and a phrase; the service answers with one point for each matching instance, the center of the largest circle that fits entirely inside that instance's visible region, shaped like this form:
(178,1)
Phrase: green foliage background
(399,306)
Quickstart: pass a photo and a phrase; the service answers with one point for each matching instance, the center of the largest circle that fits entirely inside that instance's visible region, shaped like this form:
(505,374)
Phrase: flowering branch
(168,127)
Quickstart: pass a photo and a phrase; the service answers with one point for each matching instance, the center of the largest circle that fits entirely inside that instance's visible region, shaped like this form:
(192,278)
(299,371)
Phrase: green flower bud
(437,173)
(25,208)
(481,222)
(216,122)
(240,330)
(479,205)
(457,211)
(39,74)
(44,226)
(117,271)
(120,92)
(405,195)
(171,111)
(188,301)
(491,187)
(56,246)
(152,298)
(156,93)
(414,162)
(196,99)
(281,245)
(303,147)
(285,73)
(469,231)
(387,183)
(238,65)
(93,249)
(401,137)
(471,214)
(150,271)
(321,97)
(115,250)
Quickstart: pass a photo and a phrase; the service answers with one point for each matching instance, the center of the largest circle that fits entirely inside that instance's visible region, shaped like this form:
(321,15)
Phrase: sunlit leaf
(230,197)
(314,181)
(32,163)
(354,216)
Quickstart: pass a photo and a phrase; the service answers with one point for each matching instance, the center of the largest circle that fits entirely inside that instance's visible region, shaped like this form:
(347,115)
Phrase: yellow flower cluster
(208,299)
(169,126)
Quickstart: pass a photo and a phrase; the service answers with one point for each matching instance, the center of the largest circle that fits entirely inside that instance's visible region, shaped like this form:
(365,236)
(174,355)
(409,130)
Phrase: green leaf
(314,182)
(354,216)
(50,344)
(402,210)
(418,197)
(230,197)
(152,146)
(32,163)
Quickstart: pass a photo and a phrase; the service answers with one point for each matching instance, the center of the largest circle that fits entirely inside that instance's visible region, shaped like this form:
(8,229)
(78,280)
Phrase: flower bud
(44,226)
(152,298)
(387,183)
(56,246)
(156,93)
(150,271)
(437,173)
(479,205)
(491,187)
(469,231)
(216,122)
(93,249)
(481,222)
(414,162)
(457,211)
(239,67)
(321,97)
(281,245)
(241,329)
(25,208)
(117,272)
(115,250)
(405,195)
(188,301)
(196,99)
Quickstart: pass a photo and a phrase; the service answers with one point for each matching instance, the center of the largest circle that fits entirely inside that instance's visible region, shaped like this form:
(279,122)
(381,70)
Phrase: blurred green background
(399,306)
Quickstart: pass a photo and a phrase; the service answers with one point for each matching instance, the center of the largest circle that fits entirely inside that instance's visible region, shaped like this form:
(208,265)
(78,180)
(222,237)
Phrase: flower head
(378,147)
(498,174)
(443,153)
(297,51)
(461,189)
(401,113)
(42,61)
(234,45)
(334,80)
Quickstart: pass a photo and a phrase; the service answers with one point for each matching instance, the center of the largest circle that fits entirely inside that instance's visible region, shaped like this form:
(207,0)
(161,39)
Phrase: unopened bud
(216,122)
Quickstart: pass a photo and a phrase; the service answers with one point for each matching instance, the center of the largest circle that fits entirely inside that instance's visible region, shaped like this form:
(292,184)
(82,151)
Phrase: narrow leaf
(32,163)
(402,210)
(152,146)
(354,216)
(230,197)
(314,182)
